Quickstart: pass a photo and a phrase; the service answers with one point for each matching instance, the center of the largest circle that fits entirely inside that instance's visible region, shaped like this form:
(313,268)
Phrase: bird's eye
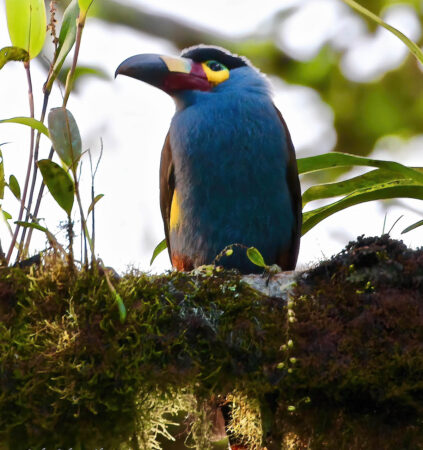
(215,66)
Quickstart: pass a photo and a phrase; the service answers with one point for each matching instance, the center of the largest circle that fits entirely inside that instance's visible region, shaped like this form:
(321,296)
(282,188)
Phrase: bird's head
(200,68)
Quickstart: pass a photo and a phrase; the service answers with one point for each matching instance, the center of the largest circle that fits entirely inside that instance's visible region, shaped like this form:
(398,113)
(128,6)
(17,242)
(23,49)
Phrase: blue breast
(230,155)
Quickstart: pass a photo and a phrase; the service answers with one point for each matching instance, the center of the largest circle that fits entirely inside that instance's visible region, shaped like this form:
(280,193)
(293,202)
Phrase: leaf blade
(94,202)
(27,24)
(161,246)
(400,188)
(412,227)
(345,187)
(67,38)
(255,257)
(30,122)
(59,183)
(65,135)
(412,46)
(336,159)
(14,187)
(8,54)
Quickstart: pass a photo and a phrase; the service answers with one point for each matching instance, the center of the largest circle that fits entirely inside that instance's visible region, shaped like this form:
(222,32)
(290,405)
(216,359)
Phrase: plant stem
(83,221)
(30,162)
(34,179)
(71,74)
(68,89)
(40,194)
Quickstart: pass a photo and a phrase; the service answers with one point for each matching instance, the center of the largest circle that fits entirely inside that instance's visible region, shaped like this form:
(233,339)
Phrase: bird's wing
(167,186)
(288,259)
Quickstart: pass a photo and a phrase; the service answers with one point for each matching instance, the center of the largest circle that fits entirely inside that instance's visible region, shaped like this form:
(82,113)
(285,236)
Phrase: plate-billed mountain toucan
(228,172)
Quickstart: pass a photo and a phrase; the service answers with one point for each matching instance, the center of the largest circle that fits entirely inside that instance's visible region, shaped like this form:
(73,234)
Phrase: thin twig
(34,180)
(69,83)
(71,74)
(30,162)
(93,174)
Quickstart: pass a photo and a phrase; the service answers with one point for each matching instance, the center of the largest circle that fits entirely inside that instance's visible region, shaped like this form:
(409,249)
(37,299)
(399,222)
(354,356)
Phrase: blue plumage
(228,171)
(230,155)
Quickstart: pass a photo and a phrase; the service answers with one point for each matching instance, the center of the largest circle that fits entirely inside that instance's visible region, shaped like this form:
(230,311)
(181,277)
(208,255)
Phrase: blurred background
(341,83)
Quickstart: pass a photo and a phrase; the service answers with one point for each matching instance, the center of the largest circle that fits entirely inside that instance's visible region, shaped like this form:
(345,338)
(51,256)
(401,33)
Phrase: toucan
(228,171)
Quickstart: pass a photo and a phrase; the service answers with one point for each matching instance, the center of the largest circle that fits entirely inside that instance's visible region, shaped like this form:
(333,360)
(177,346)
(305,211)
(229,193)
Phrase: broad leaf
(94,202)
(59,183)
(12,54)
(367,180)
(395,189)
(65,135)
(14,187)
(412,227)
(27,24)
(334,159)
(255,257)
(84,5)
(159,248)
(67,38)
(29,121)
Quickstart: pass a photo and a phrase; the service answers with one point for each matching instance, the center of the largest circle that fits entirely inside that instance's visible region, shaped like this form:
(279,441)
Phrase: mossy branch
(334,364)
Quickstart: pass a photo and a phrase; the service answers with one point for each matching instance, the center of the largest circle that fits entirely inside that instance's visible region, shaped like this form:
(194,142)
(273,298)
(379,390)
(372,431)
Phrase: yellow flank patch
(215,77)
(175,212)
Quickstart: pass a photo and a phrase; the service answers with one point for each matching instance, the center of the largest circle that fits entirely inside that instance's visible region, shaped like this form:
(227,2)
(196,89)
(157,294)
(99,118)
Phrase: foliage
(390,180)
(334,362)
(363,111)
(27,25)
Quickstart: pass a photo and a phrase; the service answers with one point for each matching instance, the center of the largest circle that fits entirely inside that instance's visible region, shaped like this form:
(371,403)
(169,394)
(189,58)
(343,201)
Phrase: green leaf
(67,39)
(27,24)
(394,189)
(255,257)
(80,73)
(93,203)
(59,184)
(334,159)
(14,187)
(49,235)
(33,123)
(367,180)
(33,225)
(6,215)
(413,47)
(121,307)
(12,54)
(84,5)
(65,136)
(159,248)
(412,227)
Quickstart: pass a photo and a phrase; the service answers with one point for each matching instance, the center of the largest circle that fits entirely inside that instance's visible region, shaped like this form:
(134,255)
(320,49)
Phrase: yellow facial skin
(183,65)
(215,77)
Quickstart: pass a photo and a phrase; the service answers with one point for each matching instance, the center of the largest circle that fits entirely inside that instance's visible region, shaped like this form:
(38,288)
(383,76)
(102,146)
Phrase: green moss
(338,366)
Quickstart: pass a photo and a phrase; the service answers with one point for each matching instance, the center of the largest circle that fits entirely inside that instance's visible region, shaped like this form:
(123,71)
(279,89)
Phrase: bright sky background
(132,119)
